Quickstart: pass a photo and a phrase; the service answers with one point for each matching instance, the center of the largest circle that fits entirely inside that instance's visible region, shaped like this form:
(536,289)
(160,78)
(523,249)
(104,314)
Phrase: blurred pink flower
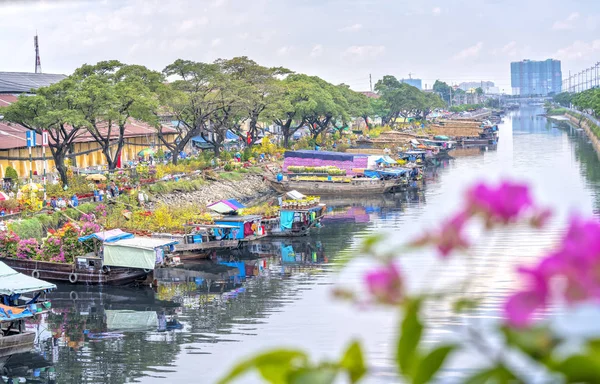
(521,306)
(385,284)
(451,237)
(503,203)
(576,261)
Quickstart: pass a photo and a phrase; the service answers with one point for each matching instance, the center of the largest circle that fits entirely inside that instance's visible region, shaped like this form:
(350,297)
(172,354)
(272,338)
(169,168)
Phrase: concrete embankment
(589,127)
(250,190)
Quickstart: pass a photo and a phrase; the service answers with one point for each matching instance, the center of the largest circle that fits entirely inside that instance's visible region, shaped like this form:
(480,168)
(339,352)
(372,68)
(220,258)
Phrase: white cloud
(364,51)
(351,28)
(316,51)
(469,52)
(568,23)
(509,49)
(216,42)
(286,49)
(436,11)
(579,50)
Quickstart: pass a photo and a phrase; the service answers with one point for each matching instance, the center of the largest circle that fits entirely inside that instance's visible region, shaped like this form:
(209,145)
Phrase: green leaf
(465,304)
(274,366)
(431,363)
(320,375)
(370,241)
(497,375)
(537,342)
(411,331)
(580,369)
(353,362)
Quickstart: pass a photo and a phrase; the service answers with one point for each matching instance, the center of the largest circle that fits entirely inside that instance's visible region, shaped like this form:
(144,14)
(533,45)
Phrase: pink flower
(576,261)
(503,203)
(521,306)
(449,238)
(385,284)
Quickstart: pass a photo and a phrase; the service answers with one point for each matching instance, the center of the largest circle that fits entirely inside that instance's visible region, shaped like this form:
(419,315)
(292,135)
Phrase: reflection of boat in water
(27,367)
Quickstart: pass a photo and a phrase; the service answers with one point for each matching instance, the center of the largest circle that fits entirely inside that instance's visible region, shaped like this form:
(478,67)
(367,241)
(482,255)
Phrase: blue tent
(108,236)
(386,160)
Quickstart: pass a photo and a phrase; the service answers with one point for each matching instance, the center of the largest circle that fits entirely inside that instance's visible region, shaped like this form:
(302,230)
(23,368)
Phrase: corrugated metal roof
(24,82)
(13,135)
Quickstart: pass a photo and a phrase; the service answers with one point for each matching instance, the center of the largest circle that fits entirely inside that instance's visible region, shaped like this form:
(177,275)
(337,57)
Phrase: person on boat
(53,202)
(414,173)
(74,201)
(61,203)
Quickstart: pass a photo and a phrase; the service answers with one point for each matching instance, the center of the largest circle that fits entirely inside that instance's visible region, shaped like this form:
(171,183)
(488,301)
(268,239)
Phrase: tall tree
(256,87)
(190,99)
(52,109)
(359,105)
(109,94)
(442,89)
(430,102)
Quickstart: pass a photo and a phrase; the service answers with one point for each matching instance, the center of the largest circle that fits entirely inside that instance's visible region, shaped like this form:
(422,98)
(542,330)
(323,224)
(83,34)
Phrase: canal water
(203,319)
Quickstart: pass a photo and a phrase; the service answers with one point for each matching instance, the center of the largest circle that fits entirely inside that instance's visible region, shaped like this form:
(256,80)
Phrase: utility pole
(38,63)
(370,82)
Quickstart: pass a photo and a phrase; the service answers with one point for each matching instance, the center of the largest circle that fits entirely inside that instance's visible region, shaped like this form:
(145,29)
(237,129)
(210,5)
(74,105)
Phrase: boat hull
(17,343)
(62,272)
(335,189)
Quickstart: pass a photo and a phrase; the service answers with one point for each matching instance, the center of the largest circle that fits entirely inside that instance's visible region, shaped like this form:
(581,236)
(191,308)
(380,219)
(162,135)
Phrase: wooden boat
(16,308)
(198,242)
(357,186)
(124,259)
(86,270)
(303,221)
(243,228)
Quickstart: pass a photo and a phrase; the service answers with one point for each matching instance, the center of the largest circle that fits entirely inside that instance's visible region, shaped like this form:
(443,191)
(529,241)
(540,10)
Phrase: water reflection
(205,315)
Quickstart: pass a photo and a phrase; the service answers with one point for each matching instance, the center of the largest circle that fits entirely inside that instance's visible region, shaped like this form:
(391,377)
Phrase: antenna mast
(38,63)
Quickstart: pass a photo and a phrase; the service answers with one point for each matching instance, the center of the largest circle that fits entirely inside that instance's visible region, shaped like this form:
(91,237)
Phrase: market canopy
(136,252)
(108,236)
(225,206)
(296,195)
(96,177)
(147,152)
(13,282)
(385,160)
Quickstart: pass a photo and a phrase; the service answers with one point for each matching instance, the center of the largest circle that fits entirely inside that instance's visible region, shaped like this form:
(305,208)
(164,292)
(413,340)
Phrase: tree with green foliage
(257,87)
(191,99)
(109,94)
(443,89)
(429,103)
(359,105)
(564,99)
(11,173)
(52,108)
(401,99)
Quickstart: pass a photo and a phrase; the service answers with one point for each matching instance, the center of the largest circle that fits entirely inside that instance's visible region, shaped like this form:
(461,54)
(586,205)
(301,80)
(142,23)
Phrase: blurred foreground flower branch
(570,274)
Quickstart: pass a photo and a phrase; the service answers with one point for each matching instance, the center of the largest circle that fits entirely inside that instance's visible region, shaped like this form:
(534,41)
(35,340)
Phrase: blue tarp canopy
(226,206)
(229,136)
(323,155)
(108,236)
(386,160)
(385,172)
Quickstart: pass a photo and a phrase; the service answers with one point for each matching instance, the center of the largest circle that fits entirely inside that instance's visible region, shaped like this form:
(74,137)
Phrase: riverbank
(247,188)
(591,129)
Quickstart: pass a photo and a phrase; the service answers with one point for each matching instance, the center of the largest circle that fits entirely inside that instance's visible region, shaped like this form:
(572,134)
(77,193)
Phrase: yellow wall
(92,159)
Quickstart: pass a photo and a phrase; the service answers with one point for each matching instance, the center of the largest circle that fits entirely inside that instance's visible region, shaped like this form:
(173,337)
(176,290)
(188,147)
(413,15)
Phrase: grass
(231,176)
(28,228)
(557,111)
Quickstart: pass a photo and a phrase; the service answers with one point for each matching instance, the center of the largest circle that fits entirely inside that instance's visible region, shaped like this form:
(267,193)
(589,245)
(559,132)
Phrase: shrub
(8,243)
(11,173)
(28,249)
(228,167)
(28,228)
(52,250)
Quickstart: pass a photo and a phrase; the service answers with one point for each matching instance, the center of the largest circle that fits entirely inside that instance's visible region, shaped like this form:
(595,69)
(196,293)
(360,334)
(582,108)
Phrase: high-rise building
(414,82)
(465,86)
(536,77)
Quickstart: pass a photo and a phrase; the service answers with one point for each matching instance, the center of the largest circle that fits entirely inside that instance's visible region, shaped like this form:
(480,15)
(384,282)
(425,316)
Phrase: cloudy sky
(339,40)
